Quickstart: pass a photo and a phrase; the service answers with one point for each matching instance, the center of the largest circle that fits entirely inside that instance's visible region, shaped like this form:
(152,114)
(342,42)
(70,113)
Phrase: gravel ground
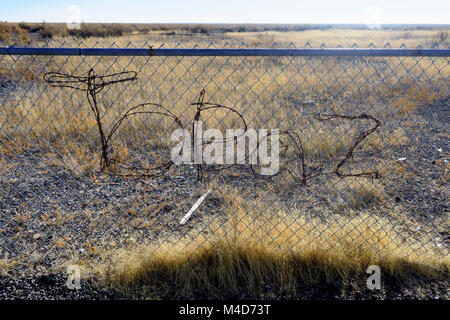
(51,287)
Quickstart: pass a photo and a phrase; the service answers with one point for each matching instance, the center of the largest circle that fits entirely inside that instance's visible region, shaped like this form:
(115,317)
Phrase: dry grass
(7,265)
(357,193)
(287,252)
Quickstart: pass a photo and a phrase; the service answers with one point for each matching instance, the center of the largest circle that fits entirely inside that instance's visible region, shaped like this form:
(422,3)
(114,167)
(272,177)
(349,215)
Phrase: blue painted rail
(226,52)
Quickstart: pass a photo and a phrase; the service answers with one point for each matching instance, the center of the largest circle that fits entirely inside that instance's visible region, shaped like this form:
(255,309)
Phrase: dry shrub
(98,30)
(53,30)
(22,35)
(5,29)
(25,26)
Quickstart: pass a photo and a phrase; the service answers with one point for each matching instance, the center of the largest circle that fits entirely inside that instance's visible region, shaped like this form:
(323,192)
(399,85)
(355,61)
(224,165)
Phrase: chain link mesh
(60,206)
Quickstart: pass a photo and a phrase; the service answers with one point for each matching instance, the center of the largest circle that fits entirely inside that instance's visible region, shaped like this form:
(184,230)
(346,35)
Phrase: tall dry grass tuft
(251,251)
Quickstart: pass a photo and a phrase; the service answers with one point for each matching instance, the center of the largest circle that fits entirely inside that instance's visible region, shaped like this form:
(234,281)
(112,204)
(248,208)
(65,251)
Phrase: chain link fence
(87,166)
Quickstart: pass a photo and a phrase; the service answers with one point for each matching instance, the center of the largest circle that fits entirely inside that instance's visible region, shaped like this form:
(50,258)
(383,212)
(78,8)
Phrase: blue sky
(229,11)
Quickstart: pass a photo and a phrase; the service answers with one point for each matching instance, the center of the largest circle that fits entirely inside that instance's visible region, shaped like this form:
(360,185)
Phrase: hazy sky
(229,11)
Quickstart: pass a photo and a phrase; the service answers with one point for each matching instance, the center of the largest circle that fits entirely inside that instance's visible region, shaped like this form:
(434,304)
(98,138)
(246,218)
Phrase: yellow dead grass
(279,249)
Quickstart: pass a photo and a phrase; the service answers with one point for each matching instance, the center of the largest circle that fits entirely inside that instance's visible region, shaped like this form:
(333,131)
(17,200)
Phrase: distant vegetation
(44,30)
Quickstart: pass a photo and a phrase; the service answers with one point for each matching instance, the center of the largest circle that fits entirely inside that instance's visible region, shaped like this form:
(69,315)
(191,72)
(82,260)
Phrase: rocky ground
(54,287)
(51,287)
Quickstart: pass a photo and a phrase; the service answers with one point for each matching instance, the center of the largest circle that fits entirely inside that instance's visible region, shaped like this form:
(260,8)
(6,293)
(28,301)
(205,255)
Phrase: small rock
(47,279)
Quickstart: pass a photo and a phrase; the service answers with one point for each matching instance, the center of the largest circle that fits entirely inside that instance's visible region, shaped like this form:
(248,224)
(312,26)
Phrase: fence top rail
(339,52)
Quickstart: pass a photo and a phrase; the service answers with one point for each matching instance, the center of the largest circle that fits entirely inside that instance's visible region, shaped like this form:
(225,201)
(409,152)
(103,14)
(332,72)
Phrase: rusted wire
(201,106)
(325,117)
(92,84)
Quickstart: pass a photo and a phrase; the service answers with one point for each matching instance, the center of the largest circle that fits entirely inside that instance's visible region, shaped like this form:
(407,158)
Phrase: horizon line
(243,23)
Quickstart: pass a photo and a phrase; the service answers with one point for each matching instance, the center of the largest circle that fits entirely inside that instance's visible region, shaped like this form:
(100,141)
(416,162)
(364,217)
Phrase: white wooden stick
(194,207)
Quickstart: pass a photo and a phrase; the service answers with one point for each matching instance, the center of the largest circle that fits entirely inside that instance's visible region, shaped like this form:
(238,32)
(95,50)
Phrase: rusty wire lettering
(372,174)
(92,84)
